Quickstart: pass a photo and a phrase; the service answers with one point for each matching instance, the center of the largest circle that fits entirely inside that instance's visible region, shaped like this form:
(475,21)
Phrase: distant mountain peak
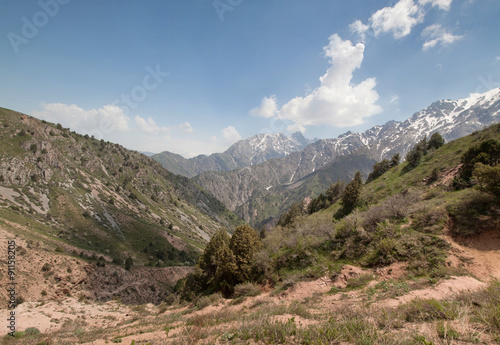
(251,151)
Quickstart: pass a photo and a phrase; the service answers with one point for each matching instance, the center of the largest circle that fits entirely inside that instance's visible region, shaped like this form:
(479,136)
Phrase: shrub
(205,301)
(19,300)
(32,331)
(359,281)
(129,262)
(474,213)
(289,216)
(246,289)
(445,331)
(488,178)
(427,310)
(487,153)
(431,221)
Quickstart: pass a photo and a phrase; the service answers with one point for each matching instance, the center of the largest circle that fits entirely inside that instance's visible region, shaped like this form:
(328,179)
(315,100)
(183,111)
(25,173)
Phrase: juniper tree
(217,264)
(350,196)
(244,244)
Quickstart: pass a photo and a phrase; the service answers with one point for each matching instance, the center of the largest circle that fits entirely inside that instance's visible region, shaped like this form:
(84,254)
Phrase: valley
(412,261)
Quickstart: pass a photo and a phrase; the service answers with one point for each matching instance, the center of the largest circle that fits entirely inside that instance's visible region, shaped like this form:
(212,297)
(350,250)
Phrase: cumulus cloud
(359,28)
(437,35)
(398,20)
(231,135)
(337,101)
(186,128)
(149,126)
(267,109)
(442,4)
(104,120)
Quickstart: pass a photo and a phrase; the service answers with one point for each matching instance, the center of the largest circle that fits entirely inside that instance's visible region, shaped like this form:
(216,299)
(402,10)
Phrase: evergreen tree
(436,141)
(244,244)
(289,216)
(378,170)
(350,196)
(217,264)
(395,159)
(334,192)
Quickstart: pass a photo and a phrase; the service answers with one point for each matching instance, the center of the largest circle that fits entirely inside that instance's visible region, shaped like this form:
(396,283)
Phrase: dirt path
(480,255)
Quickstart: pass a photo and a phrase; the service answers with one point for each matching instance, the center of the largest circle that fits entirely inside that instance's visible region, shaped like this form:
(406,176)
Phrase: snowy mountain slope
(451,118)
(251,151)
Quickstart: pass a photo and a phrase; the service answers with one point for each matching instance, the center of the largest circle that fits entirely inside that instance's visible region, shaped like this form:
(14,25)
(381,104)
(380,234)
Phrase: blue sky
(194,76)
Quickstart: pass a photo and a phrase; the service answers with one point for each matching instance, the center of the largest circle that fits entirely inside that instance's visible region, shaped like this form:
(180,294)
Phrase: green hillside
(401,216)
(93,198)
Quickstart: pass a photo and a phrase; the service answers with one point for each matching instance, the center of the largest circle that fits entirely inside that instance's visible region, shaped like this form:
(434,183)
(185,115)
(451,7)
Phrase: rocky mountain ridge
(248,152)
(99,199)
(453,119)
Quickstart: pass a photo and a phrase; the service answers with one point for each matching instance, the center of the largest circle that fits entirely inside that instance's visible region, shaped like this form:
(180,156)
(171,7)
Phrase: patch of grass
(359,282)
(247,289)
(205,301)
(421,310)
(445,331)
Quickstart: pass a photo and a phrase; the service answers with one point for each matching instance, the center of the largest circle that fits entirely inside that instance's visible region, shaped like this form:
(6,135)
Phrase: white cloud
(231,135)
(398,20)
(104,120)
(394,99)
(497,58)
(442,4)
(337,101)
(186,128)
(296,127)
(267,109)
(437,35)
(149,126)
(359,28)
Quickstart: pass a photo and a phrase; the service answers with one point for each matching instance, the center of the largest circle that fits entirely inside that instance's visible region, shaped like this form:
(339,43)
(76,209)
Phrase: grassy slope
(401,217)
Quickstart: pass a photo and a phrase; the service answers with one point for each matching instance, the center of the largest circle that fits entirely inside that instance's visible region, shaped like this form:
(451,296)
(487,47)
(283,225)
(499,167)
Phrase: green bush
(205,301)
(32,331)
(473,213)
(246,289)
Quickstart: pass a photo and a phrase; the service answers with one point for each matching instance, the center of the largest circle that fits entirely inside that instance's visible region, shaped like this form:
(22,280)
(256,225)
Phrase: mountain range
(252,151)
(260,192)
